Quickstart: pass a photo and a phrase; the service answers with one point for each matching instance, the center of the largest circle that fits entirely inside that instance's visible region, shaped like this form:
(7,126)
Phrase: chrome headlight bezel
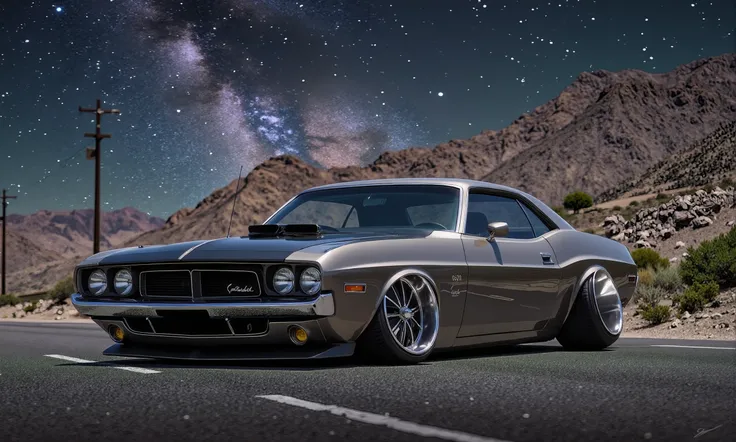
(98,278)
(310,281)
(123,282)
(284,278)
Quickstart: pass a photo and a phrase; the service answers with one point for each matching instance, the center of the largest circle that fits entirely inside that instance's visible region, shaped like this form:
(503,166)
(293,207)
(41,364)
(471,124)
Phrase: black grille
(171,284)
(229,284)
(198,327)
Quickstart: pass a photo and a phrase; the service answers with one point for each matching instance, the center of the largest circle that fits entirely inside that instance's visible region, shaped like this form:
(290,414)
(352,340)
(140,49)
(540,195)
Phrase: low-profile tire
(596,319)
(406,324)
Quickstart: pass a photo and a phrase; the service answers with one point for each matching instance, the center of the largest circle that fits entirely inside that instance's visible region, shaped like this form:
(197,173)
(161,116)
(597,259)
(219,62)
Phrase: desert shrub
(576,201)
(634,203)
(649,258)
(662,196)
(62,290)
(709,188)
(713,260)
(697,296)
(646,276)
(617,208)
(726,183)
(31,307)
(9,299)
(668,279)
(655,314)
(649,295)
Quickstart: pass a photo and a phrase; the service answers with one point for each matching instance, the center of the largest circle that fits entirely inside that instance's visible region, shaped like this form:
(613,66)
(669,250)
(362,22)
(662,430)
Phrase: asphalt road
(636,390)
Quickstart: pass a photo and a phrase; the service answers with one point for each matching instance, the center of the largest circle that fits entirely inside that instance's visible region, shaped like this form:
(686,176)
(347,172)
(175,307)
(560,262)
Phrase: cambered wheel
(596,319)
(405,326)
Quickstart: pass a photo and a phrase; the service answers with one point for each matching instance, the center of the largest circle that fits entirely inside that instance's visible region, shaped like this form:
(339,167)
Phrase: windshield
(370,207)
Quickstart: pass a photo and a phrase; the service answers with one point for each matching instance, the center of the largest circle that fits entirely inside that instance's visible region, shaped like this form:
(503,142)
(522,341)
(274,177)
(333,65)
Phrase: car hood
(234,249)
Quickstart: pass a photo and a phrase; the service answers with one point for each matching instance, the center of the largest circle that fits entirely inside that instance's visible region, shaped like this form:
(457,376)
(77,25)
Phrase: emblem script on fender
(237,289)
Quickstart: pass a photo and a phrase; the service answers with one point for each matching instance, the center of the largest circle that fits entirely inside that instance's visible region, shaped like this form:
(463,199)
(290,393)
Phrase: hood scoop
(288,230)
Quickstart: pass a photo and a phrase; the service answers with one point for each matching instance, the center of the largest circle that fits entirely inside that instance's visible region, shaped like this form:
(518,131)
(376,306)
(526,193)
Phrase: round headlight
(310,281)
(123,282)
(97,282)
(283,280)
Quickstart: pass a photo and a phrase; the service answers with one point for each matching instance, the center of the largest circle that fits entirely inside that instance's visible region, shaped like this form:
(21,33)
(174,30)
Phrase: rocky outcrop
(652,225)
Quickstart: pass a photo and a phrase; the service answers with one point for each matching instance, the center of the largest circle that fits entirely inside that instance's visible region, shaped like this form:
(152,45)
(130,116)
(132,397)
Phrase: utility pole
(96,154)
(6,197)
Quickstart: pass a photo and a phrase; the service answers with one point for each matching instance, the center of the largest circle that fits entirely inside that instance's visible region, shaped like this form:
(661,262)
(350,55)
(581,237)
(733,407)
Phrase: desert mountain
(709,161)
(70,233)
(603,128)
(23,253)
(637,120)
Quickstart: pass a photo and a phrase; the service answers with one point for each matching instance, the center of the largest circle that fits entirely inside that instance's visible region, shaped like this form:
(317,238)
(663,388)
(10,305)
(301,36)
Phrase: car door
(512,281)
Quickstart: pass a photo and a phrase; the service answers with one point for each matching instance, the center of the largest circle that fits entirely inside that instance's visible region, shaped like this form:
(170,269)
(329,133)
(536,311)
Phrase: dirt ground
(717,323)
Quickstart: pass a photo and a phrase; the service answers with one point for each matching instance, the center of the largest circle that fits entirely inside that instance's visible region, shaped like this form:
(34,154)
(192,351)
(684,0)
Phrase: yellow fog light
(116,333)
(298,335)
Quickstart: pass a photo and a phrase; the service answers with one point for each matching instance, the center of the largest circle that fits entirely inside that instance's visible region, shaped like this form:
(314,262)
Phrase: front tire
(406,324)
(596,319)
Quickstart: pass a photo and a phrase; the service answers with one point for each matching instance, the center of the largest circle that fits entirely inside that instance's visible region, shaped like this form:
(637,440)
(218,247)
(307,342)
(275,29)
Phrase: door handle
(547,259)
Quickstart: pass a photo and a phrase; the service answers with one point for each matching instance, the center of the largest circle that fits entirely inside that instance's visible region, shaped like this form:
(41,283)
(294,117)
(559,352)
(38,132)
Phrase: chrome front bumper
(323,306)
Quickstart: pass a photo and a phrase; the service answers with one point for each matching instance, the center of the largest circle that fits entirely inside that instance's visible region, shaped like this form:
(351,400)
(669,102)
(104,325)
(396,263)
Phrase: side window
(484,209)
(540,228)
(443,214)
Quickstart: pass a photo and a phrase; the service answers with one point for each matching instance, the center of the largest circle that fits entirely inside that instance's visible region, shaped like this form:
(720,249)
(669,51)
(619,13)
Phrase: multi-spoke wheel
(596,319)
(405,327)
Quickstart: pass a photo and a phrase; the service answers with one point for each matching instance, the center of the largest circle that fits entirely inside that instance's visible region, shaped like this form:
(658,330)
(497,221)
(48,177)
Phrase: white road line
(84,361)
(386,421)
(695,346)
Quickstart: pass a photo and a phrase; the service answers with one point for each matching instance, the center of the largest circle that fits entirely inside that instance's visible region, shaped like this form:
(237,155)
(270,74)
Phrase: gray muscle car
(388,269)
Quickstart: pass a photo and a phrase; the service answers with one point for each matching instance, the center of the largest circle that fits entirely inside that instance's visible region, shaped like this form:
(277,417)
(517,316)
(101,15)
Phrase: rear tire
(596,319)
(406,324)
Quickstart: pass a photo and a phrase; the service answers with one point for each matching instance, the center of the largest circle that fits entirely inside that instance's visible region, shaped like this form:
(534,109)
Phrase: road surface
(56,386)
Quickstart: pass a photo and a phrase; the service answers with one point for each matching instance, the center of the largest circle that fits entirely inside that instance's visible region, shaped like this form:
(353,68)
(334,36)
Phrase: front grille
(229,284)
(167,284)
(185,326)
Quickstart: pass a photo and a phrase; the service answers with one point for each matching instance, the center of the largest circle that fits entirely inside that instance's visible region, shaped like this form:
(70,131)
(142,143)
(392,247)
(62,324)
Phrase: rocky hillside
(602,128)
(652,225)
(710,161)
(70,233)
(31,253)
(636,120)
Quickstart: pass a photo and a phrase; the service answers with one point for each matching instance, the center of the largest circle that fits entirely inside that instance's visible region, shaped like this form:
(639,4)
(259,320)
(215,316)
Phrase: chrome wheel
(608,302)
(412,314)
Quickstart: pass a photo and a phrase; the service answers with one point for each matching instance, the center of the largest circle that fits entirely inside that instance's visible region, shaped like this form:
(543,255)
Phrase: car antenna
(235,199)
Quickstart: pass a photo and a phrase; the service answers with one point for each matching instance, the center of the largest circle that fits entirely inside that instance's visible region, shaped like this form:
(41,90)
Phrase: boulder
(701,221)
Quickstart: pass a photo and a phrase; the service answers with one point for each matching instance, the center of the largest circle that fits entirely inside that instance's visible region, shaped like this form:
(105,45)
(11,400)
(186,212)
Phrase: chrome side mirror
(497,230)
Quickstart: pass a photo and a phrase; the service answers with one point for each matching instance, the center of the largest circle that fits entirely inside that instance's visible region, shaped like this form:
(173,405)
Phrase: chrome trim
(230,326)
(322,306)
(141,288)
(150,324)
(191,249)
(258,281)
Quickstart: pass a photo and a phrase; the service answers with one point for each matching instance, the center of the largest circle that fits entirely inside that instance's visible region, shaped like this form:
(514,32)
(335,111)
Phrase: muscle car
(390,270)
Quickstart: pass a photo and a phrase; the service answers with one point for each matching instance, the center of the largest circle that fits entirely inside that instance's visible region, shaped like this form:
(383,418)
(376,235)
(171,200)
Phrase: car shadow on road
(321,364)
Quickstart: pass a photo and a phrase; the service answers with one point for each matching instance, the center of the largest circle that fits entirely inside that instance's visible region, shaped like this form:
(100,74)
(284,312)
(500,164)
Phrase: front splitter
(232,354)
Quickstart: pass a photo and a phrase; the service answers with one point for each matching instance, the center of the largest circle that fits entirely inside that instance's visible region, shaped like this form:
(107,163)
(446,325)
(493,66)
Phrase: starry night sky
(207,86)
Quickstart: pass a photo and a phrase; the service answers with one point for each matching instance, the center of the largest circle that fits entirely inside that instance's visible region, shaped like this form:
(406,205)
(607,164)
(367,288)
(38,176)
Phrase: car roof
(464,184)
(458,182)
